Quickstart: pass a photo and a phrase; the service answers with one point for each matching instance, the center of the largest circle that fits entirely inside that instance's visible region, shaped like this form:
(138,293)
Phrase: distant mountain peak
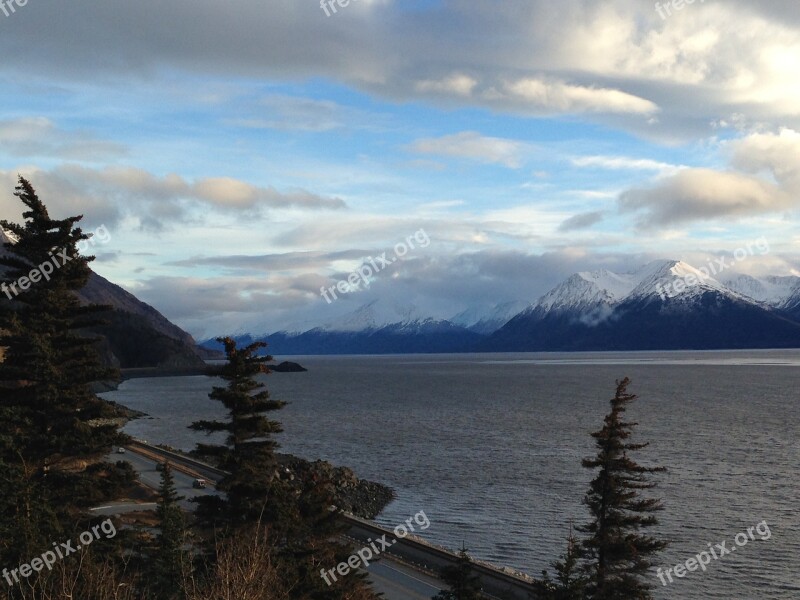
(665,304)
(586,288)
(670,279)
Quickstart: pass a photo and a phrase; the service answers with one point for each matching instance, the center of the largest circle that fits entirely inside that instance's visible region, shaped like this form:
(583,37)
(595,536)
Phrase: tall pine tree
(46,404)
(248,453)
(48,365)
(618,554)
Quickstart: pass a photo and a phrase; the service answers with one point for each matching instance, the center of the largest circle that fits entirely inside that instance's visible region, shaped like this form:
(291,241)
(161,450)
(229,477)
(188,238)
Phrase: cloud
(777,154)
(764,178)
(107,195)
(295,113)
(612,59)
(537,96)
(273,262)
(473,146)
(695,194)
(39,136)
(226,192)
(456,84)
(623,163)
(582,221)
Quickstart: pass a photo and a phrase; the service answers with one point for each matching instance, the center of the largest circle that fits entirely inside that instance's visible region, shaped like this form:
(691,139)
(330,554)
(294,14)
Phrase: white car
(120,450)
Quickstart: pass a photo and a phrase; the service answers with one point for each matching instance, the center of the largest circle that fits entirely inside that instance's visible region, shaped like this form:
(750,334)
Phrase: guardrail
(206,470)
(420,553)
(495,581)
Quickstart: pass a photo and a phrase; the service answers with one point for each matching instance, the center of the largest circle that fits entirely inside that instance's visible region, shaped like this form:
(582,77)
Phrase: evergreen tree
(463,583)
(248,453)
(618,553)
(48,366)
(46,404)
(570,582)
(169,558)
(312,531)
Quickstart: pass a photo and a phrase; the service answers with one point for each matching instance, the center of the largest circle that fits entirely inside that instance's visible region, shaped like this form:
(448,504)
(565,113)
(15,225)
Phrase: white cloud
(474,146)
(110,193)
(536,95)
(623,163)
(776,154)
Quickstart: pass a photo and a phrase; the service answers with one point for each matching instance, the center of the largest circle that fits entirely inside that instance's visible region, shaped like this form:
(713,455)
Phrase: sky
(246,156)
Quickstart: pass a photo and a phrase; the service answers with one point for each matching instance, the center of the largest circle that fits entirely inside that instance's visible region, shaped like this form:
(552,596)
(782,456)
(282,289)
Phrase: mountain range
(664,305)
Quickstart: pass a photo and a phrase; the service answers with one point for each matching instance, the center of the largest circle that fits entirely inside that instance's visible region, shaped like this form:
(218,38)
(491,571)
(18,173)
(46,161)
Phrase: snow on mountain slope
(779,292)
(589,297)
(587,289)
(373,315)
(486,319)
(594,294)
(675,279)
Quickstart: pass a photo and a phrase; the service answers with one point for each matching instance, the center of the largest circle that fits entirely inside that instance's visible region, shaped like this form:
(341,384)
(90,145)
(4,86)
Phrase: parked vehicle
(199,483)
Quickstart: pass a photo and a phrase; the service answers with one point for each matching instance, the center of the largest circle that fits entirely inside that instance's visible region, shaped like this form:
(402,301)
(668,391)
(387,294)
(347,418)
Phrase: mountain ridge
(664,304)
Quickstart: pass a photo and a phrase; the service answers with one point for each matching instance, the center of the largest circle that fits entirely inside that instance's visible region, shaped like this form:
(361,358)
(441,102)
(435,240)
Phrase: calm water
(489,446)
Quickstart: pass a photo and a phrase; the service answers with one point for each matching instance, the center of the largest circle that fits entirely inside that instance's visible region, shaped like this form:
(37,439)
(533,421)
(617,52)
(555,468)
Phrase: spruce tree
(48,365)
(248,452)
(618,554)
(461,579)
(46,404)
(169,558)
(312,531)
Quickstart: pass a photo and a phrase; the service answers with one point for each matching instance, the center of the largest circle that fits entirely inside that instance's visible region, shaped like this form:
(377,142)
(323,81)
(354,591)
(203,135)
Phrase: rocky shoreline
(360,497)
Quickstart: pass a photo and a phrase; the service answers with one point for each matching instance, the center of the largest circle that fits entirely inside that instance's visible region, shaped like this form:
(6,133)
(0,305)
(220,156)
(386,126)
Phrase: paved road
(399,582)
(151,477)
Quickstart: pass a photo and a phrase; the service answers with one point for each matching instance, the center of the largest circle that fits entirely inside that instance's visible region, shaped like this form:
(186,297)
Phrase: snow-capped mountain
(587,290)
(377,327)
(370,316)
(665,304)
